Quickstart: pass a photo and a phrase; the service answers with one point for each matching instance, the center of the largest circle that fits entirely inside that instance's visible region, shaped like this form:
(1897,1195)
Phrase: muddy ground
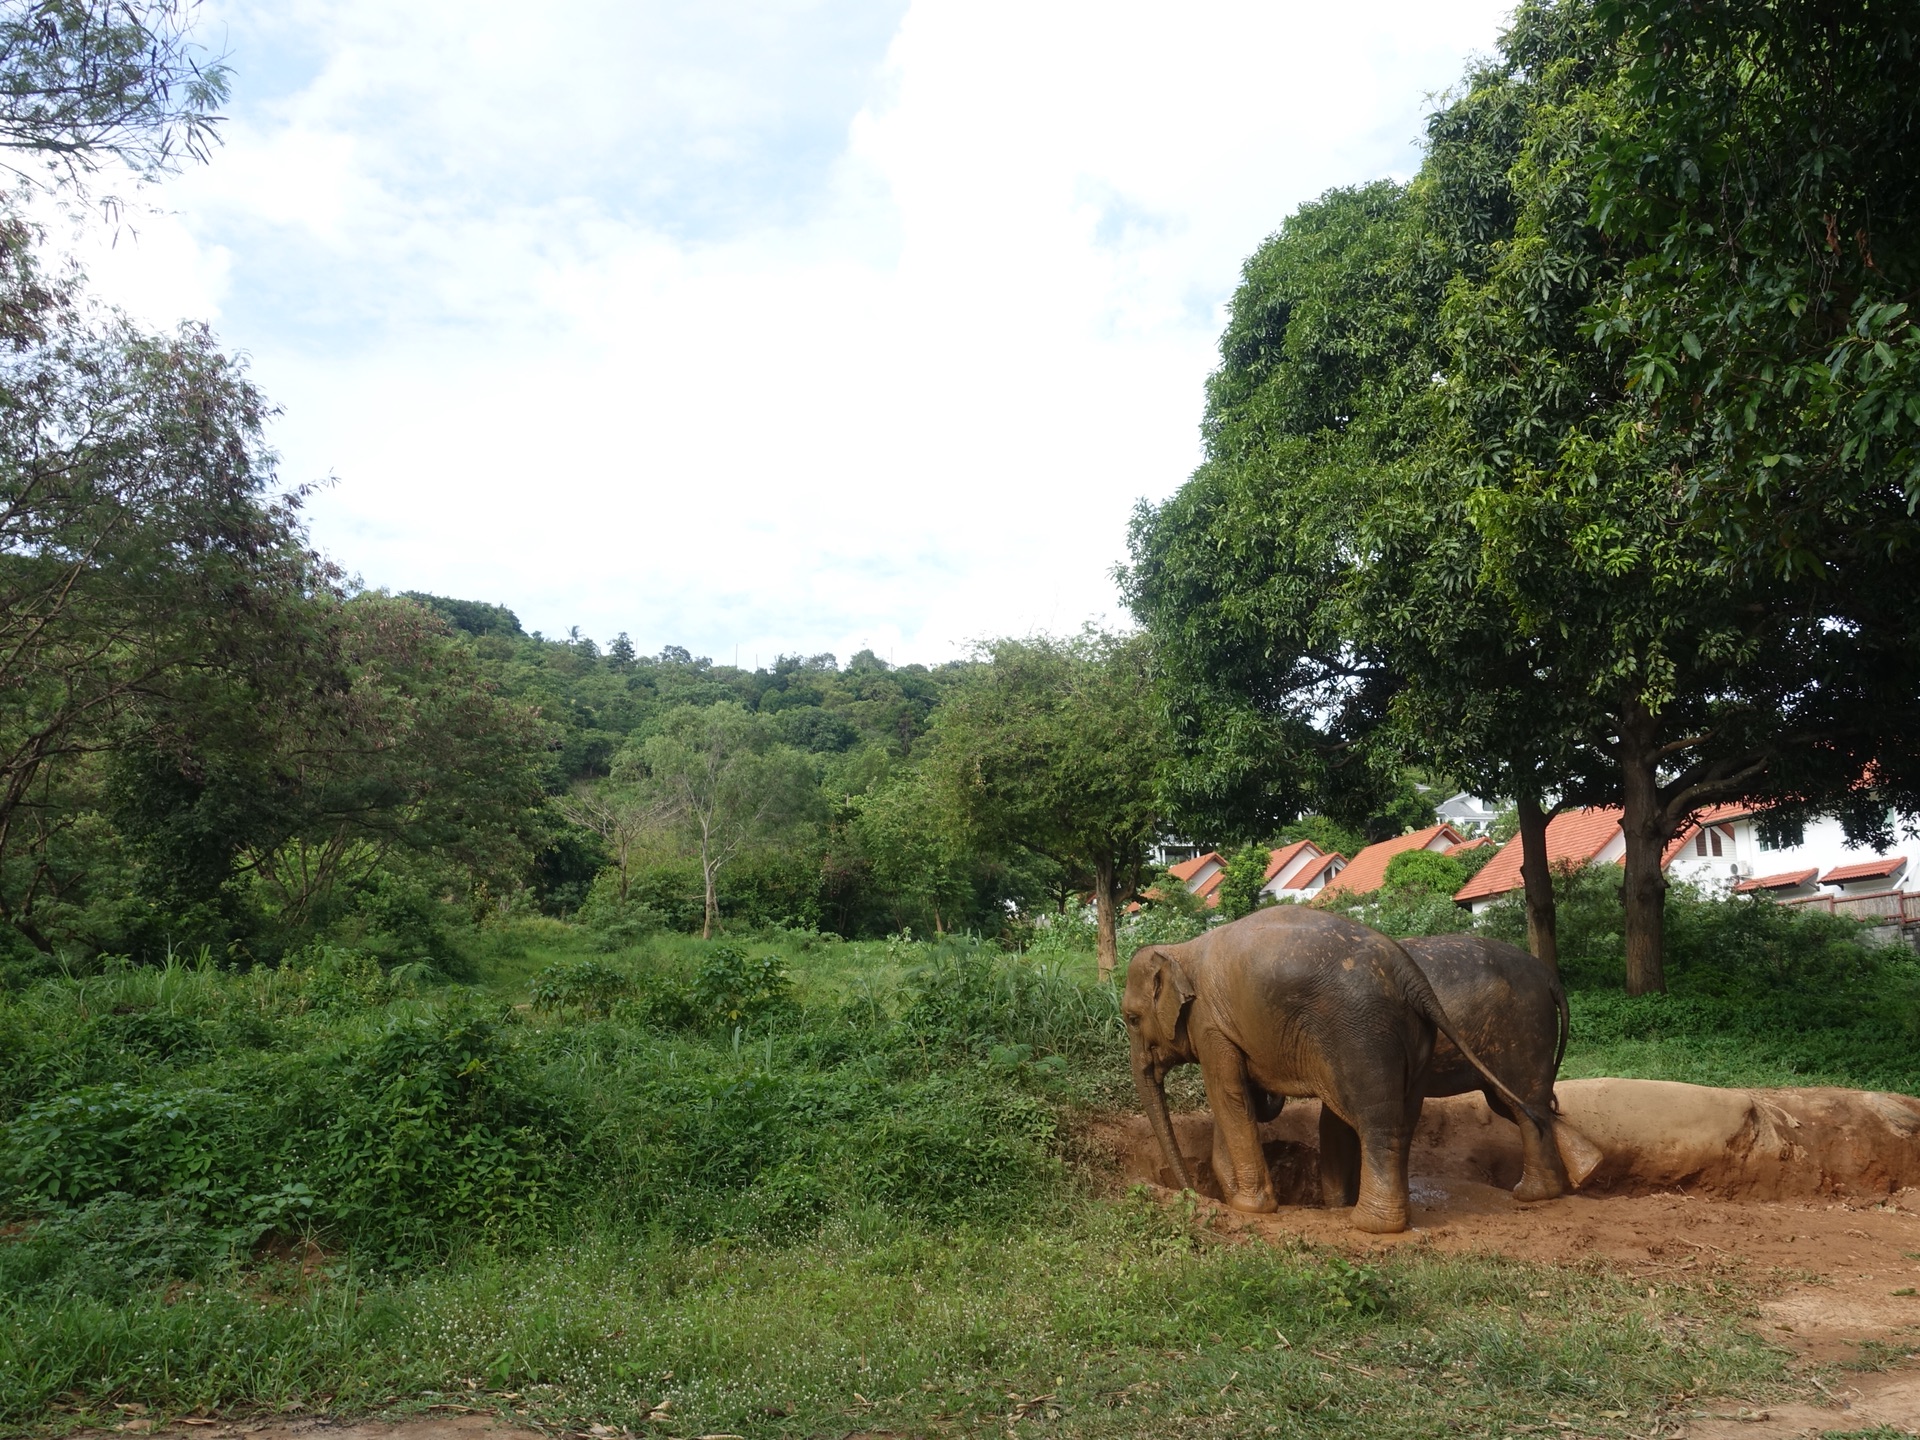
(1808,1198)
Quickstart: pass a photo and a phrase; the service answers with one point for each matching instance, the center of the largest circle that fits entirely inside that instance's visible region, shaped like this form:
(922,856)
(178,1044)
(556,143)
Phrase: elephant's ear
(1172,992)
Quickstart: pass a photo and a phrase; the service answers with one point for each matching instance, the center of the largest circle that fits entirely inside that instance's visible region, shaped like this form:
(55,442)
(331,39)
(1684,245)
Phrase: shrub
(732,990)
(1426,870)
(1240,887)
(616,923)
(435,1134)
(585,987)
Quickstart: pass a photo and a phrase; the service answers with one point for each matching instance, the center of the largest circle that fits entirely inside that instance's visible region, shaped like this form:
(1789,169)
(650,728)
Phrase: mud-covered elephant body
(1294,1002)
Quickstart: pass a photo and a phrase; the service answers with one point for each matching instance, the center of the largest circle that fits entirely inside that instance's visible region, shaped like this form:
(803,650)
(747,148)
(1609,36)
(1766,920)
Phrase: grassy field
(779,1186)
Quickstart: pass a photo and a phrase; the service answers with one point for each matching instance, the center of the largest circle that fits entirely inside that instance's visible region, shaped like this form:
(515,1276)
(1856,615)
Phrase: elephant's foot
(1254,1202)
(1380,1220)
(1537,1186)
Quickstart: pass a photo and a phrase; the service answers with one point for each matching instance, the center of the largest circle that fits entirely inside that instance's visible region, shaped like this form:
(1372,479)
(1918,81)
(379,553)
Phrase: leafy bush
(404,1144)
(1426,870)
(434,1133)
(1239,888)
(732,990)
(1404,912)
(585,987)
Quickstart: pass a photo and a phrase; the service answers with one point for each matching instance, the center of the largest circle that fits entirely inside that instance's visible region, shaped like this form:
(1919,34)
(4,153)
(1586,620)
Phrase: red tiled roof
(1187,869)
(1574,837)
(1871,870)
(1367,871)
(1209,888)
(1466,845)
(1280,859)
(1784,881)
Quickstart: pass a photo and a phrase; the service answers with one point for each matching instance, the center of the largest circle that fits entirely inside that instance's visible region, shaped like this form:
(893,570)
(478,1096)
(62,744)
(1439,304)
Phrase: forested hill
(601,699)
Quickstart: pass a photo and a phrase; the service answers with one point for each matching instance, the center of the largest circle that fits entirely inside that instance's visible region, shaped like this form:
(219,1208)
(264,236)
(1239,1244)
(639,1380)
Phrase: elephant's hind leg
(1543,1175)
(1383,1207)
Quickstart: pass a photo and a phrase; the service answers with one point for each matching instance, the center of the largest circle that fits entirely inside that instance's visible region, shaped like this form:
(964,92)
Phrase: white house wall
(1823,847)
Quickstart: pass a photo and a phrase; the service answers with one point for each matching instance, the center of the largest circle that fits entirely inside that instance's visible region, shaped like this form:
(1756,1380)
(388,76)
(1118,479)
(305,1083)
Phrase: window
(1700,843)
(1714,836)
(1782,834)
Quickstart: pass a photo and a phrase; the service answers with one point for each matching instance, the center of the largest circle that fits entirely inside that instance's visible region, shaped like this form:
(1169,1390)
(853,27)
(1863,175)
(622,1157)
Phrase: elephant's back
(1503,1002)
(1301,950)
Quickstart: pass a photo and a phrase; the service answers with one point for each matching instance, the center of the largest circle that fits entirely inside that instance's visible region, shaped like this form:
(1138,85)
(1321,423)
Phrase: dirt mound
(1656,1135)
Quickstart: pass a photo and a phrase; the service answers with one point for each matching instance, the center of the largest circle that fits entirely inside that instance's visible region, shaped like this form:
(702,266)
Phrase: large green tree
(721,781)
(1438,517)
(1055,746)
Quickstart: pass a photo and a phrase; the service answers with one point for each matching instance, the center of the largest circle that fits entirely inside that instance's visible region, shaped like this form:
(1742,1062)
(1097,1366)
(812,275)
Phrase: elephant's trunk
(1153,1099)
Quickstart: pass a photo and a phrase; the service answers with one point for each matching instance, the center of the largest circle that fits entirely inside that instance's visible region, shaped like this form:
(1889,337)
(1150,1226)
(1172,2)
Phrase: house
(1726,850)
(1367,871)
(1574,837)
(1300,871)
(1201,875)
(1468,814)
(1294,872)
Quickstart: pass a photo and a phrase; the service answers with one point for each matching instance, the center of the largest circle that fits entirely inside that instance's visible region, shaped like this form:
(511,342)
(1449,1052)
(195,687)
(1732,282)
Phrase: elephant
(1513,1010)
(1291,1001)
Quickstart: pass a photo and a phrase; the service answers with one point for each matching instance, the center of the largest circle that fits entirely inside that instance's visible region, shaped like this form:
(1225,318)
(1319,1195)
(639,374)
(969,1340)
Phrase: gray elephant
(1512,1010)
(1295,1002)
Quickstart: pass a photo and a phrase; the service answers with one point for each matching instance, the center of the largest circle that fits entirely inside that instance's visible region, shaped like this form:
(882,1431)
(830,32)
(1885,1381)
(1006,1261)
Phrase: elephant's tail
(1420,993)
(1560,1047)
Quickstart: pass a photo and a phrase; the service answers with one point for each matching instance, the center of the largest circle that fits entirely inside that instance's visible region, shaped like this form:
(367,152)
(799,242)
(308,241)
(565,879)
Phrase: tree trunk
(1107,940)
(1536,877)
(1643,892)
(713,904)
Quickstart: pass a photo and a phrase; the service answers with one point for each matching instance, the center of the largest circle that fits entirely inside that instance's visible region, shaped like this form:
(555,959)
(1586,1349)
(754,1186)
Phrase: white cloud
(776,325)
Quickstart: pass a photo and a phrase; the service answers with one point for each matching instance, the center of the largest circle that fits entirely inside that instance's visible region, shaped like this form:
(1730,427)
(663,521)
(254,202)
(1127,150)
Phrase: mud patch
(1812,1197)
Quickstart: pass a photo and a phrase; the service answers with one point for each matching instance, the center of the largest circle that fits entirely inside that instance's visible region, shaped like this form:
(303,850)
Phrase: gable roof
(1786,880)
(1368,870)
(1478,842)
(1209,888)
(1574,837)
(1879,869)
(1280,859)
(1712,815)
(1187,869)
(1314,867)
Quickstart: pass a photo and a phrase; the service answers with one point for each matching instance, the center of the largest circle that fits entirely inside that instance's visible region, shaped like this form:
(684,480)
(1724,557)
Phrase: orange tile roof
(1283,857)
(1871,870)
(1209,888)
(1574,837)
(1784,881)
(1466,845)
(1187,869)
(1367,871)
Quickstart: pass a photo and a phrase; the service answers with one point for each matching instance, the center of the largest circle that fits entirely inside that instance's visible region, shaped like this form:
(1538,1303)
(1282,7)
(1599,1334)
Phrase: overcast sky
(760,324)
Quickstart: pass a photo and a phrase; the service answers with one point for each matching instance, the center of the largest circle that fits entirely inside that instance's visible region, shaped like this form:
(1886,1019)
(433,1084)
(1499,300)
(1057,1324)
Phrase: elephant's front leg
(1236,1133)
(1339,1160)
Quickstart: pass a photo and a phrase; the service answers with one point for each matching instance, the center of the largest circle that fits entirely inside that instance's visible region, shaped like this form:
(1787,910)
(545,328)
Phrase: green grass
(1130,1319)
(787,1209)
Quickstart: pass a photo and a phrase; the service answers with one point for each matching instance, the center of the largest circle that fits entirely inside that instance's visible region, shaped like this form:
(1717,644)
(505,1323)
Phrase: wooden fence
(1880,907)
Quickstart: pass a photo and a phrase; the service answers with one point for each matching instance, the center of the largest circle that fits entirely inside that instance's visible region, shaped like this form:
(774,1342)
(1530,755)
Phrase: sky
(759,328)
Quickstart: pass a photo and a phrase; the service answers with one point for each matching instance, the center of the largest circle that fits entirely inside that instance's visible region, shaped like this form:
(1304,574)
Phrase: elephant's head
(1156,1006)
